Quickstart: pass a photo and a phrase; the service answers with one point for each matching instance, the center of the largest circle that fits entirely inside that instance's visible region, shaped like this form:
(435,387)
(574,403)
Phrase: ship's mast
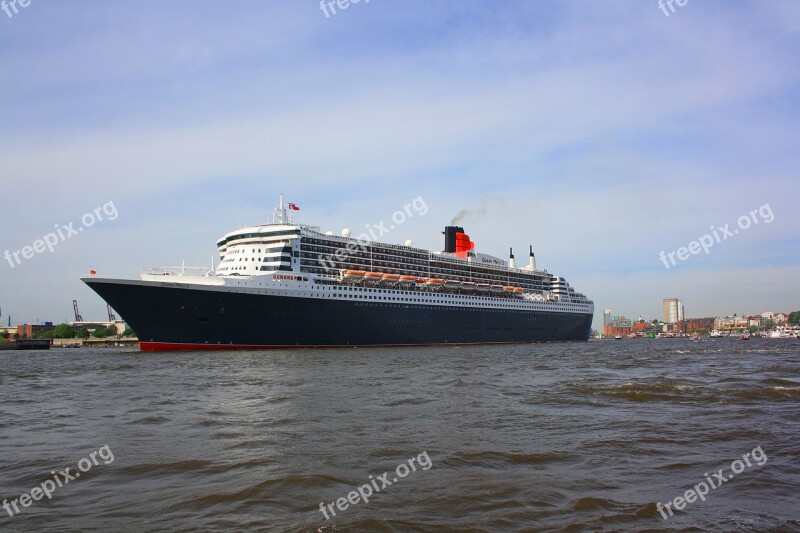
(280,216)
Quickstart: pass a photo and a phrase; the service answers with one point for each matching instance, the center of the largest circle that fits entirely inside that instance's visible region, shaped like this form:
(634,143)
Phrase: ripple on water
(548,437)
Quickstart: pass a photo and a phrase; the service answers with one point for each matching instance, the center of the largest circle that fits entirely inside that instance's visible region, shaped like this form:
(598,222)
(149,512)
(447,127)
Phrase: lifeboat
(483,287)
(497,288)
(508,288)
(390,279)
(452,284)
(420,282)
(373,277)
(352,276)
(407,280)
(434,282)
(468,285)
(519,289)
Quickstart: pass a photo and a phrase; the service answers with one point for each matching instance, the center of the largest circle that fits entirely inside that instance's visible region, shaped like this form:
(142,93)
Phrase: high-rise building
(673,310)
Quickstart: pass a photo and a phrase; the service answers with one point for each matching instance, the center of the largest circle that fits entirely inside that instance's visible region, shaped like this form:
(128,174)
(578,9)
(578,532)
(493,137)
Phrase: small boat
(632,335)
(434,282)
(390,279)
(407,280)
(782,333)
(373,277)
(744,337)
(519,289)
(352,276)
(483,287)
(617,337)
(497,288)
(694,338)
(508,288)
(452,284)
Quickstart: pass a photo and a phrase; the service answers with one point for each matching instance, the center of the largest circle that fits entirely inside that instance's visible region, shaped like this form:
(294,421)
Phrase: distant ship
(288,285)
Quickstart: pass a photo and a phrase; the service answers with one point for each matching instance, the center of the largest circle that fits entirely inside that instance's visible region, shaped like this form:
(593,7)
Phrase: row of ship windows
(276,259)
(265,268)
(358,253)
(533,286)
(391,268)
(367,259)
(230,240)
(328,247)
(452,297)
(277,247)
(504,306)
(422,300)
(358,257)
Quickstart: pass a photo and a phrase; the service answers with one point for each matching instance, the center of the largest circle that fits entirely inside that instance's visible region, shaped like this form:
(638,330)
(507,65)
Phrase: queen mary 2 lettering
(289,285)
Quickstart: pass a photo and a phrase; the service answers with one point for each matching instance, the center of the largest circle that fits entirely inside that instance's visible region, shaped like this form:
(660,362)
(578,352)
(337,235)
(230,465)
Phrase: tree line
(65,331)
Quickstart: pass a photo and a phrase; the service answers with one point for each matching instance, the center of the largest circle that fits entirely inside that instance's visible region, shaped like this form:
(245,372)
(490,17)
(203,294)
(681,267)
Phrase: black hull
(170,318)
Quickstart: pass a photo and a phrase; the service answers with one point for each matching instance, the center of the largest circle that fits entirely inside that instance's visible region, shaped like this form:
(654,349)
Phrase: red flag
(293,207)
(92,272)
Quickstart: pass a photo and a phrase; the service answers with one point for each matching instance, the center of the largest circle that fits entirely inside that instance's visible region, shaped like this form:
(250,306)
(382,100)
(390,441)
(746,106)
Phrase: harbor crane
(78,317)
(111,317)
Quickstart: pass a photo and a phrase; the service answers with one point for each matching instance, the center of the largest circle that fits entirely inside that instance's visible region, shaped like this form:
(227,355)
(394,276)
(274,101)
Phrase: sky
(601,133)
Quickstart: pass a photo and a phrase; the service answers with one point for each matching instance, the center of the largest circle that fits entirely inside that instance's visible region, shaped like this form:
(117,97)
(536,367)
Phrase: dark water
(557,437)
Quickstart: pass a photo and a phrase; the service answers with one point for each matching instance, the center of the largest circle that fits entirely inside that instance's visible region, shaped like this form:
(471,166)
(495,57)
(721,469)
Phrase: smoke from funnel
(472,213)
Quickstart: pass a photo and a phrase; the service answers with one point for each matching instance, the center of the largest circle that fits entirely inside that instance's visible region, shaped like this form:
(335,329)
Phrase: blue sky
(600,132)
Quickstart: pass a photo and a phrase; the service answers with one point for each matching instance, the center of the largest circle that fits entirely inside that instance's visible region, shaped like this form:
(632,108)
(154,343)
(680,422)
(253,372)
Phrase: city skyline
(641,155)
(669,317)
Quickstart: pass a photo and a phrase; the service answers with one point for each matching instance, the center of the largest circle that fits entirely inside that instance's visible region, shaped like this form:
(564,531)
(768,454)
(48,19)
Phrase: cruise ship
(289,285)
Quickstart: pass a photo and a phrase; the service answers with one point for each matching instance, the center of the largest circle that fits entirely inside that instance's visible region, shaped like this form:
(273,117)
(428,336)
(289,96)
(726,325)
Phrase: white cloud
(601,134)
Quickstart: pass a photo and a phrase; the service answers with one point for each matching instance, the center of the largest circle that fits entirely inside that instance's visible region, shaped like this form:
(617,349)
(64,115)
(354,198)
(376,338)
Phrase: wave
(269,489)
(776,393)
(491,459)
(643,392)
